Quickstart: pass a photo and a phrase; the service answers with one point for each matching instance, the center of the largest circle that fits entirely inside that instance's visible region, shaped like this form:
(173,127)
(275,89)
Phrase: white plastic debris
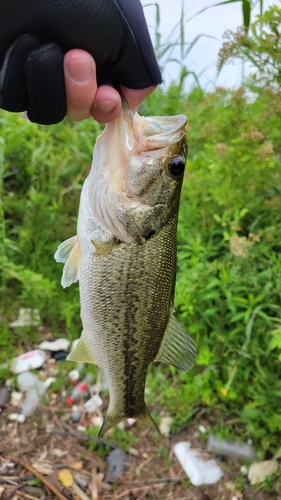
(26,380)
(131,421)
(32,400)
(34,388)
(198,470)
(230,448)
(97,421)
(165,425)
(74,376)
(16,398)
(60,344)
(26,317)
(28,361)
(93,404)
(49,381)
(81,428)
(243,470)
(17,417)
(202,429)
(258,472)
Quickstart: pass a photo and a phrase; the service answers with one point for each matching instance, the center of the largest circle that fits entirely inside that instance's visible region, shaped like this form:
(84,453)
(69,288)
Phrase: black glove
(35,35)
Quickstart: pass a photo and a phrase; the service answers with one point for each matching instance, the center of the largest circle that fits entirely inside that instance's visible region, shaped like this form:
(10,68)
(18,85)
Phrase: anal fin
(111,420)
(177,347)
(81,352)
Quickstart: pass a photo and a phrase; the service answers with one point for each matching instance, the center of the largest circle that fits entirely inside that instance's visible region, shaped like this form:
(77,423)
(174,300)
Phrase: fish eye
(175,167)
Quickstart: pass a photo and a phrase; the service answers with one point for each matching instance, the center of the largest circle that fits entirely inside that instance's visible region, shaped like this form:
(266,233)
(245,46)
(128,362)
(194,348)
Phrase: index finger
(136,97)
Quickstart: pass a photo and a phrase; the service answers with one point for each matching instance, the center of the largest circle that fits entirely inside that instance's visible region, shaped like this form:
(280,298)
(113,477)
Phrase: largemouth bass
(124,256)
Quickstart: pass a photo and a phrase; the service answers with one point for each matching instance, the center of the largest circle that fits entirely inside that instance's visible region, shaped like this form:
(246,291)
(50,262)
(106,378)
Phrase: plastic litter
(26,317)
(34,389)
(230,448)
(93,404)
(202,429)
(49,381)
(4,395)
(80,390)
(74,376)
(81,481)
(75,416)
(26,380)
(28,361)
(118,462)
(198,470)
(60,355)
(55,345)
(81,428)
(131,421)
(96,421)
(32,400)
(165,425)
(17,417)
(16,398)
(243,469)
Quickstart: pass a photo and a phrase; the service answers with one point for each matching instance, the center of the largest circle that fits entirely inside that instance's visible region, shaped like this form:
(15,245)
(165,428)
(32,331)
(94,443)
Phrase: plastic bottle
(32,400)
(79,390)
(230,448)
(34,388)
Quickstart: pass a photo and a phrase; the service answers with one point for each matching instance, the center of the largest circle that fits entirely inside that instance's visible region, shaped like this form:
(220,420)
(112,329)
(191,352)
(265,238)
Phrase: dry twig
(79,492)
(43,480)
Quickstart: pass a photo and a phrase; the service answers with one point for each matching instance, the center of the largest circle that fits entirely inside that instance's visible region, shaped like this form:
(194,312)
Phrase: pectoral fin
(81,352)
(177,347)
(69,252)
(103,248)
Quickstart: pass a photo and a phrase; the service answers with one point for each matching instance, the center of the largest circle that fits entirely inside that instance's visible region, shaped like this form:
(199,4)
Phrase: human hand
(35,36)
(85,99)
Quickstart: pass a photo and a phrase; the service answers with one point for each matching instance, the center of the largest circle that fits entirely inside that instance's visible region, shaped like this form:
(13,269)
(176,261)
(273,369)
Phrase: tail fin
(112,420)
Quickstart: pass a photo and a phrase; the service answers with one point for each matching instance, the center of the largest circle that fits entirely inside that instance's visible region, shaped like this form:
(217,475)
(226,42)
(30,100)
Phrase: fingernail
(105,106)
(80,71)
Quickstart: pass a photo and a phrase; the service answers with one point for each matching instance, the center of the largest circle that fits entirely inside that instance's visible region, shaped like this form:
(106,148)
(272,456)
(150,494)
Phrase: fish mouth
(158,132)
(163,125)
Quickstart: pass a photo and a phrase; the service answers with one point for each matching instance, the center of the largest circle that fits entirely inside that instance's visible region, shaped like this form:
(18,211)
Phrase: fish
(124,256)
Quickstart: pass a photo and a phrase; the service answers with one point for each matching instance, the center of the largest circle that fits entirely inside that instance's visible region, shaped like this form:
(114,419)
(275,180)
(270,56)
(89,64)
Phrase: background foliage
(229,261)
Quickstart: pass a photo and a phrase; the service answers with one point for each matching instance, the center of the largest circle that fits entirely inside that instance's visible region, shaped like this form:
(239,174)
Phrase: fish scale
(126,262)
(128,312)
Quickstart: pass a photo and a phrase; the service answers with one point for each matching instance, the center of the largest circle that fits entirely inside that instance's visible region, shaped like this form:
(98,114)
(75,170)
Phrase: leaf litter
(50,450)
(47,456)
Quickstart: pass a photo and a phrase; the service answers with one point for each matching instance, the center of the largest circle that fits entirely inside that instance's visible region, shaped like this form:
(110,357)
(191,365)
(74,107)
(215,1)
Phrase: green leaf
(246,6)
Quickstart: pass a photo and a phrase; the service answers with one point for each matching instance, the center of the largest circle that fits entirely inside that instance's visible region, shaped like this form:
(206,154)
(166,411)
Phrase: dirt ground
(47,457)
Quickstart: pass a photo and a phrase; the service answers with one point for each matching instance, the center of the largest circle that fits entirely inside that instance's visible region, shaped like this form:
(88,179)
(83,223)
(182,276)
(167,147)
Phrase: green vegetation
(229,248)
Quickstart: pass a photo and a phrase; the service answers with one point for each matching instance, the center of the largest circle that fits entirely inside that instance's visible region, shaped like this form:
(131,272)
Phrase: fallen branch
(79,492)
(43,480)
